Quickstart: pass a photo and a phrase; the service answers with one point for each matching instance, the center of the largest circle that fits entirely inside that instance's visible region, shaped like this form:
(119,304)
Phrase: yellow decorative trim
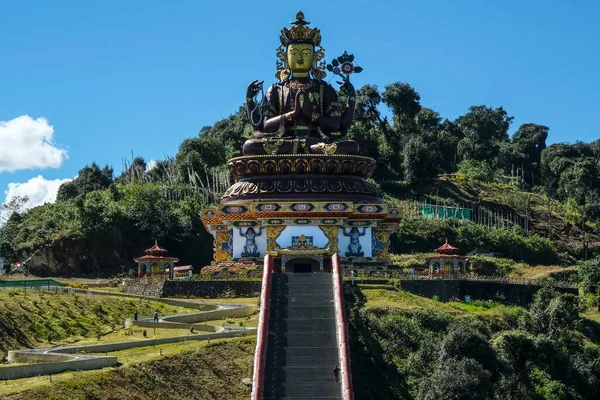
(277,156)
(272,147)
(273,233)
(331,231)
(220,254)
(329,149)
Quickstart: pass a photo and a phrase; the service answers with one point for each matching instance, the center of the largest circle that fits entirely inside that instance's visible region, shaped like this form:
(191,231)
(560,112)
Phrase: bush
(491,266)
(552,312)
(515,348)
(407,261)
(426,234)
(458,379)
(78,286)
(463,341)
(533,249)
(478,170)
(589,275)
(421,235)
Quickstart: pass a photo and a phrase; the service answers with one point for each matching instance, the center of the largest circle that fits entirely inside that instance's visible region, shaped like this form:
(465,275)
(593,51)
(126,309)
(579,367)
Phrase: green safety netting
(31,283)
(445,212)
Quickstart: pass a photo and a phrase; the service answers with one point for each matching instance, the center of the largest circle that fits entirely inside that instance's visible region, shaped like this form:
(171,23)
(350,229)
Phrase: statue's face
(250,234)
(353,233)
(300,57)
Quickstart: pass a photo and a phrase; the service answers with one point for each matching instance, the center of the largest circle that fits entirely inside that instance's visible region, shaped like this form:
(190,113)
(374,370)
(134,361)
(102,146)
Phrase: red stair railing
(262,333)
(341,330)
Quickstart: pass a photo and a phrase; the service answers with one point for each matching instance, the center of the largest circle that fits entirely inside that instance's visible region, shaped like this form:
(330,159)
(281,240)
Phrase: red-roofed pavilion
(155,262)
(447,260)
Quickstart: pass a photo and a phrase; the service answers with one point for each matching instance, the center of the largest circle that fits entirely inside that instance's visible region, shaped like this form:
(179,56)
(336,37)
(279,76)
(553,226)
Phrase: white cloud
(151,164)
(27,143)
(38,189)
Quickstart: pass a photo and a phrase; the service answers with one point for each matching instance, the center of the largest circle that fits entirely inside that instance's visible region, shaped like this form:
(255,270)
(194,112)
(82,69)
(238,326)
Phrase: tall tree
(89,178)
(528,143)
(484,129)
(15,205)
(404,102)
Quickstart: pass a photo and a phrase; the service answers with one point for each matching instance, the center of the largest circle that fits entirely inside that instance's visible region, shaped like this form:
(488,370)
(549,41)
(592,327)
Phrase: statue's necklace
(300,85)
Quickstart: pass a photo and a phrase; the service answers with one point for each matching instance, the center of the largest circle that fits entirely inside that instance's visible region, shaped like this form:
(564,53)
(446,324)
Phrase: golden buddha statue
(301,112)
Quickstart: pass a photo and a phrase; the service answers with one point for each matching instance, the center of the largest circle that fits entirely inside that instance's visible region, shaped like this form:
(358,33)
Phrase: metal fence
(24,284)
(399,275)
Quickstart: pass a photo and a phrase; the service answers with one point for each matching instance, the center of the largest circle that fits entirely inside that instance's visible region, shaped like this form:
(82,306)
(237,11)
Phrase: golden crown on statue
(300,33)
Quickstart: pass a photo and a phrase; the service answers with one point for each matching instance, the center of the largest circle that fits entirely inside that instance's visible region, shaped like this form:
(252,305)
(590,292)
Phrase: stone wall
(447,290)
(49,368)
(141,287)
(211,289)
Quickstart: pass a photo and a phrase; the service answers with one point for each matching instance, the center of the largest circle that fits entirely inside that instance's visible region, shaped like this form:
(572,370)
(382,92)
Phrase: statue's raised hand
(253,88)
(305,104)
(299,101)
(347,87)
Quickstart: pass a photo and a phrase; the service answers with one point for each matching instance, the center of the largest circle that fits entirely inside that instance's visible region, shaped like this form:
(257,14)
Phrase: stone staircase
(302,347)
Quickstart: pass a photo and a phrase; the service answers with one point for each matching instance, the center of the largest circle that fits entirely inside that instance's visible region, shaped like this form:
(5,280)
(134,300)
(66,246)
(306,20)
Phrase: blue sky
(113,77)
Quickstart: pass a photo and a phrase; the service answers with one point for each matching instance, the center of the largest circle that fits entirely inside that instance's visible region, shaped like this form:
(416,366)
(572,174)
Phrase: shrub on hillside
(491,266)
(533,249)
(552,312)
(462,379)
(478,170)
(423,235)
(407,261)
(589,275)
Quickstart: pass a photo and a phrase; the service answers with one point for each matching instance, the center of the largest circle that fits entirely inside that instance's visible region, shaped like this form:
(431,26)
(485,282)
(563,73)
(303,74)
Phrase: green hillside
(212,371)
(408,347)
(29,319)
(538,204)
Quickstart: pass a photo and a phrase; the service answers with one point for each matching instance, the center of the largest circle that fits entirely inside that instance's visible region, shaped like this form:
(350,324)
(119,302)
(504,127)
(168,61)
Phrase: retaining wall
(447,290)
(84,363)
(76,364)
(141,287)
(211,289)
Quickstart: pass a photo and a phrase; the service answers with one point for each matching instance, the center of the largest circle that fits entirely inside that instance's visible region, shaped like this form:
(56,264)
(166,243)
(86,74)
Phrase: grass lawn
(30,319)
(236,300)
(249,321)
(385,296)
(537,272)
(188,370)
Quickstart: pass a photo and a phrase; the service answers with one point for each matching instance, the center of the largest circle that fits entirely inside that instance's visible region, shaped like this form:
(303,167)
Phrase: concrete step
(304,390)
(309,288)
(307,324)
(312,277)
(302,339)
(303,398)
(311,300)
(305,312)
(304,356)
(302,374)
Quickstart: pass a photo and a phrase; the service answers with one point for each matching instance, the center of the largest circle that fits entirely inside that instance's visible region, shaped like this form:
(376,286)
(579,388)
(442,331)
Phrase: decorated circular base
(287,164)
